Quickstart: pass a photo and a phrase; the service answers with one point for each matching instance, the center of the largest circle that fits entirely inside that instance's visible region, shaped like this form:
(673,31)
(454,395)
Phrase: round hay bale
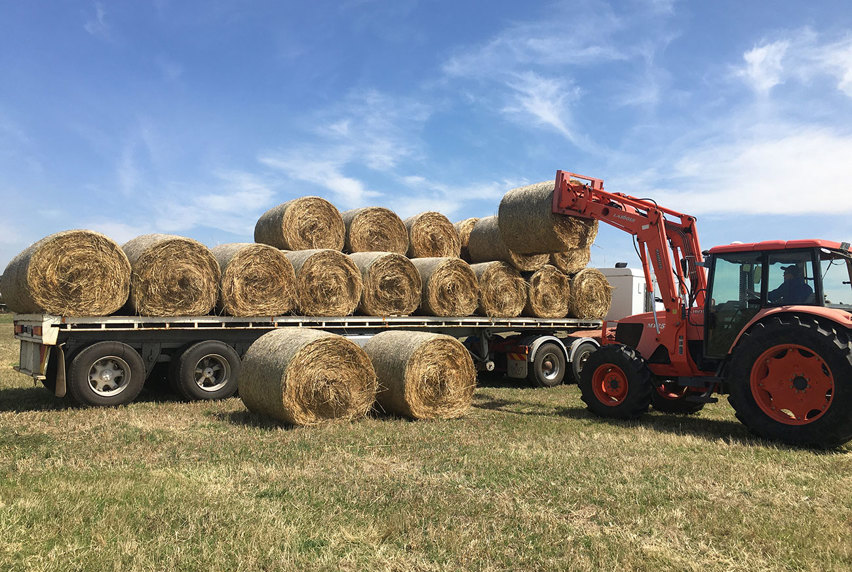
(502,290)
(430,235)
(70,273)
(374,229)
(171,276)
(450,287)
(572,260)
(422,375)
(529,226)
(391,284)
(305,377)
(486,244)
(591,295)
(463,227)
(301,224)
(549,293)
(327,281)
(257,280)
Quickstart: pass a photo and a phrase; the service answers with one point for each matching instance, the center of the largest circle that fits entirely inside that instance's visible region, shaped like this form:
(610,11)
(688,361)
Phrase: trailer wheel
(581,356)
(206,370)
(668,397)
(791,381)
(106,374)
(615,382)
(548,366)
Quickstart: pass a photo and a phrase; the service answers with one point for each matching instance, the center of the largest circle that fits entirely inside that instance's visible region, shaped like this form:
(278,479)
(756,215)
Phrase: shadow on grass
(20,399)
(249,419)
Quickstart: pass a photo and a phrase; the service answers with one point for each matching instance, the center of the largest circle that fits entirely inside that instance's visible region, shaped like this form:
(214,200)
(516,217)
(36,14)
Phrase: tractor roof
(777,245)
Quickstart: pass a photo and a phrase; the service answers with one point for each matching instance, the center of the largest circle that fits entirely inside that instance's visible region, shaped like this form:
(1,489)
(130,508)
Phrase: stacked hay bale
(502,290)
(391,284)
(374,229)
(591,295)
(450,287)
(549,293)
(486,244)
(328,283)
(301,224)
(432,235)
(463,227)
(257,280)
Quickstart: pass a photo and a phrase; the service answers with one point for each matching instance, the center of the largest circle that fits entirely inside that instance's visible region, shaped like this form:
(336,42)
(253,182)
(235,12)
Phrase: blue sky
(193,118)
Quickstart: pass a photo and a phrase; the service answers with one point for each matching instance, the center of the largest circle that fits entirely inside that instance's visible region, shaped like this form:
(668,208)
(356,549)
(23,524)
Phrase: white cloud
(763,69)
(546,100)
(97,24)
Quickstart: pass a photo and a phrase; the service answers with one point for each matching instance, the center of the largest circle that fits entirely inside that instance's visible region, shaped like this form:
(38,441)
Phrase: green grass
(527,481)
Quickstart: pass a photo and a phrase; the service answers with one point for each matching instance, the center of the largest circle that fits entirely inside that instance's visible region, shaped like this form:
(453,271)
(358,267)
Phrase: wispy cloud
(546,100)
(96,24)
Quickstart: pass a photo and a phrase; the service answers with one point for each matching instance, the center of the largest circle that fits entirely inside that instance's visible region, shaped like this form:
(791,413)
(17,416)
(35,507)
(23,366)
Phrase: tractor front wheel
(615,382)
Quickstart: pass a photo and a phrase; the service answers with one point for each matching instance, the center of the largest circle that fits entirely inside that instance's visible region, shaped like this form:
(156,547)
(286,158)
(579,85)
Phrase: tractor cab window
(734,298)
(836,270)
(790,278)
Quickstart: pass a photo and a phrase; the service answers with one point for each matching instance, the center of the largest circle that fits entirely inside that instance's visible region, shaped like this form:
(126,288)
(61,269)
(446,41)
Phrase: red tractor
(771,326)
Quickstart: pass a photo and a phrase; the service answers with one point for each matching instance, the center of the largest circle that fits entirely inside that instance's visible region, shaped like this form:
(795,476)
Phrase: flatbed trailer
(93,359)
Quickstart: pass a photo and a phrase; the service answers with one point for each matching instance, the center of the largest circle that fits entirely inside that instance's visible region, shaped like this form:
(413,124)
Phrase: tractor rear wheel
(791,381)
(615,382)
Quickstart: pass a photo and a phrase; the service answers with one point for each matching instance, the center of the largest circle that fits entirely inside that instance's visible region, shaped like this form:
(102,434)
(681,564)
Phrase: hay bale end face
(327,282)
(591,295)
(70,273)
(463,227)
(171,276)
(374,229)
(301,224)
(450,287)
(549,293)
(305,377)
(502,290)
(572,260)
(422,375)
(431,234)
(486,244)
(391,284)
(257,280)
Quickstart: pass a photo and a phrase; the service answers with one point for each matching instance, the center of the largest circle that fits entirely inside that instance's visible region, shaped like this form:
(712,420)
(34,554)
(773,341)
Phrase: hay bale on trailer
(374,229)
(450,287)
(431,235)
(257,280)
(572,260)
(591,295)
(327,282)
(171,276)
(422,375)
(305,377)
(502,290)
(529,226)
(70,273)
(549,293)
(463,227)
(391,284)
(301,224)
(486,244)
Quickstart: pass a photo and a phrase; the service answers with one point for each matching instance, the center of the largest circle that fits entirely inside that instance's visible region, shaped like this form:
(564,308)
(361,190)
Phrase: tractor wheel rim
(670,390)
(609,384)
(792,384)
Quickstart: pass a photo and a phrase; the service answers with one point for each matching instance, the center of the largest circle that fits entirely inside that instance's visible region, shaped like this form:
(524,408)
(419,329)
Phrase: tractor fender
(839,317)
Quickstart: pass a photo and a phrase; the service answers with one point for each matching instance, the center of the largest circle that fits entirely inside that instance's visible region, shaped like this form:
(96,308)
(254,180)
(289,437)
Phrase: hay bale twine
(430,235)
(301,224)
(502,290)
(374,229)
(327,282)
(572,260)
(171,276)
(391,284)
(257,280)
(305,377)
(422,375)
(486,244)
(591,295)
(70,273)
(450,287)
(529,226)
(549,293)
(463,227)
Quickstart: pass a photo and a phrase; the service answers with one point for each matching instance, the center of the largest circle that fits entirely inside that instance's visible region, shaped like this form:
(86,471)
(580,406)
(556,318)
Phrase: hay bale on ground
(70,273)
(430,235)
(374,229)
(549,293)
(529,226)
(391,284)
(422,375)
(502,290)
(257,280)
(301,224)
(450,287)
(486,244)
(304,377)
(591,295)
(171,276)
(463,227)
(572,260)
(327,282)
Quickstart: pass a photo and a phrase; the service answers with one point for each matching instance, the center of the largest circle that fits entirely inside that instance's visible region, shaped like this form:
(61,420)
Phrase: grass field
(527,481)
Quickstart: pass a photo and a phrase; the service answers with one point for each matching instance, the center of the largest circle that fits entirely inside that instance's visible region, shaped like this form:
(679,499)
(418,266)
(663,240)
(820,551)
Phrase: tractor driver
(793,290)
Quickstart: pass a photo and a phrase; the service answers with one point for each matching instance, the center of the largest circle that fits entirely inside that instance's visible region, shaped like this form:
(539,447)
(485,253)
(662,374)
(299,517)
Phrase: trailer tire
(548,366)
(616,383)
(207,370)
(581,356)
(106,374)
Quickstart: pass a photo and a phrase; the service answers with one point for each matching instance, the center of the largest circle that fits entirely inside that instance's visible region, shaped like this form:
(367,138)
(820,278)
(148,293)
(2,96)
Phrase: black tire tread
(640,386)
